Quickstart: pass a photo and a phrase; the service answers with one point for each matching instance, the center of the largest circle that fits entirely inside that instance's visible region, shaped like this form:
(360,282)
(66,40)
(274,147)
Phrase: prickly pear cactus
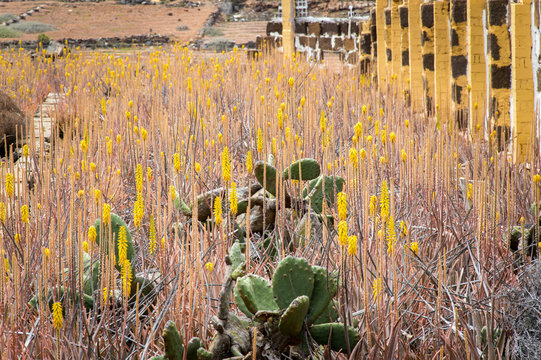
(292,320)
(292,278)
(115,226)
(323,188)
(266,175)
(256,293)
(304,169)
(174,348)
(325,287)
(336,332)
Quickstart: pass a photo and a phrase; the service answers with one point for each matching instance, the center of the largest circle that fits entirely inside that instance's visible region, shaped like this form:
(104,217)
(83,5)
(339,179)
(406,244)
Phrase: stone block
(330,28)
(314,28)
(325,43)
(274,27)
(349,44)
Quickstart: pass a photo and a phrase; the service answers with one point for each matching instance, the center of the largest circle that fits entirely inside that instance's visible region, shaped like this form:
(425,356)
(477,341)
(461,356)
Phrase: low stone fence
(315,36)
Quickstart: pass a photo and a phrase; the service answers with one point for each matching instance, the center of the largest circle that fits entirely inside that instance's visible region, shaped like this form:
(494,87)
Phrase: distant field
(93,20)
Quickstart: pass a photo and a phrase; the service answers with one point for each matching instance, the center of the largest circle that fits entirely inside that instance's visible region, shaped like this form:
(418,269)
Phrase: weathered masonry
(473,62)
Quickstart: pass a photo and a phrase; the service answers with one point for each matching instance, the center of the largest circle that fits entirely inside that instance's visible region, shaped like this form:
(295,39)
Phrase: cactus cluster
(297,297)
(282,313)
(106,235)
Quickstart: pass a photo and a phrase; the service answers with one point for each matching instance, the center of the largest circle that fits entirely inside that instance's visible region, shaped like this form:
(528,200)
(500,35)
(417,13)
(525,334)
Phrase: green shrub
(6,32)
(6,17)
(211,31)
(44,39)
(31,27)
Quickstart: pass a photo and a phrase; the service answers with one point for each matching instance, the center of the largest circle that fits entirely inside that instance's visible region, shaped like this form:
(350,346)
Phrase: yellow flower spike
(358,130)
(104,295)
(352,245)
(226,165)
(291,82)
(209,267)
(118,139)
(106,214)
(46,253)
(259,140)
(353,158)
(152,236)
(391,236)
(25,214)
(138,210)
(403,155)
(343,233)
(376,287)
(382,160)
(85,247)
(25,150)
(249,162)
(369,139)
(218,210)
(130,104)
(469,191)
(126,275)
(536,179)
(384,200)
(362,154)
(220,138)
(97,195)
(176,162)
(149,174)
(233,198)
(364,109)
(392,137)
(92,234)
(139,178)
(10,184)
(57,315)
(414,246)
(342,205)
(407,123)
(144,134)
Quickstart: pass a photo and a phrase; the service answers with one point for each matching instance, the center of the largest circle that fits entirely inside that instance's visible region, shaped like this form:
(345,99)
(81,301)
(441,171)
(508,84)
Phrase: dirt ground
(108,19)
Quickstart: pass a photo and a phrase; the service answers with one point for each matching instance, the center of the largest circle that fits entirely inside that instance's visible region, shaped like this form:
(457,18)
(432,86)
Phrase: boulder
(12,123)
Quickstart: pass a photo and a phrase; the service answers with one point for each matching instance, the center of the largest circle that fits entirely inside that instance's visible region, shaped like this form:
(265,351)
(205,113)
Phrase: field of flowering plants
(208,172)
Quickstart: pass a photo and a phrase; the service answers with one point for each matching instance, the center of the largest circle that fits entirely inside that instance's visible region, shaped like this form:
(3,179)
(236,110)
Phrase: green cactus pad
(174,348)
(337,334)
(116,224)
(329,315)
(309,169)
(324,187)
(236,256)
(267,177)
(240,303)
(256,293)
(203,354)
(293,277)
(292,320)
(193,345)
(325,287)
(182,206)
(265,315)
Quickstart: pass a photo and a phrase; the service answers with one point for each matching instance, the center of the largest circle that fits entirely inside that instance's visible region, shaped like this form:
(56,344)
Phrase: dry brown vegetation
(451,194)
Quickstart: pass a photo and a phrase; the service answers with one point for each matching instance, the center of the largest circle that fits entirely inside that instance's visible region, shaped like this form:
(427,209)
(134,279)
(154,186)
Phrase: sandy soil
(107,19)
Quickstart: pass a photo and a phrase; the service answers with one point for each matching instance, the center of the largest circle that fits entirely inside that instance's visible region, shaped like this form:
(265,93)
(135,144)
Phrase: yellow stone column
(388,45)
(365,47)
(499,49)
(396,40)
(404,50)
(427,45)
(522,85)
(459,63)
(415,55)
(477,65)
(288,27)
(442,58)
(380,42)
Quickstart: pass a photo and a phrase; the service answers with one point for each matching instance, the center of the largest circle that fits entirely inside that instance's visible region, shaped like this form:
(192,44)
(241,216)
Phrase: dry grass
(429,304)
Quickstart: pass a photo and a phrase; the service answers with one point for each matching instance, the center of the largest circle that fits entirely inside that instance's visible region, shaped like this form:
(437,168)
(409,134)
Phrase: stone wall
(316,36)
